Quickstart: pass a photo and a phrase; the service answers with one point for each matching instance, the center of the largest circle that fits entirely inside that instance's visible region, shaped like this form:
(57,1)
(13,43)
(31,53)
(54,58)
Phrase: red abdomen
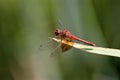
(81,40)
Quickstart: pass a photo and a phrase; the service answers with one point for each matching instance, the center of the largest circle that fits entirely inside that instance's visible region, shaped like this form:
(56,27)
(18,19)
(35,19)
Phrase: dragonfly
(65,35)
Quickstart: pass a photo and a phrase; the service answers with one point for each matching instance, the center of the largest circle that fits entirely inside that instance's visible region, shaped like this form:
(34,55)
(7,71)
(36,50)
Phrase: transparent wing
(60,23)
(56,50)
(60,49)
(50,44)
(54,46)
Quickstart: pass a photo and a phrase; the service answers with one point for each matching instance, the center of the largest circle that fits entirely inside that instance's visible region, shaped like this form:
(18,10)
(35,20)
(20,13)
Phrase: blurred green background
(25,24)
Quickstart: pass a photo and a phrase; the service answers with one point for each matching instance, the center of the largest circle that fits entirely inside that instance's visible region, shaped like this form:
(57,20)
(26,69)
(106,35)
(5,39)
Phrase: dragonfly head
(57,32)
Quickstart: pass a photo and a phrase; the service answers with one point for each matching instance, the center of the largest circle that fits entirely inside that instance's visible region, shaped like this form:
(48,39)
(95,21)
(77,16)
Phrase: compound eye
(57,32)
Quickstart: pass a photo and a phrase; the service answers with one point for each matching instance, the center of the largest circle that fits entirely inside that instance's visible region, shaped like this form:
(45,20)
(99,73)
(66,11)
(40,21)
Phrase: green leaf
(91,49)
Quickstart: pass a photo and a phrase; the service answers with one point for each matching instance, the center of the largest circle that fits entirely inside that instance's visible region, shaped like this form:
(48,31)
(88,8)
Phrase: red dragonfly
(67,36)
